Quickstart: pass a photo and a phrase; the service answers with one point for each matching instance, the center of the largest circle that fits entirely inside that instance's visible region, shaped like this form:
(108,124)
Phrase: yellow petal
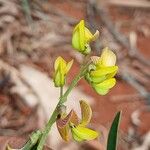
(86,113)
(76,138)
(95,36)
(59,61)
(109,83)
(74,118)
(108,58)
(89,36)
(9,148)
(111,75)
(69,65)
(98,79)
(59,79)
(63,126)
(101,91)
(103,88)
(75,42)
(82,34)
(64,132)
(78,37)
(81,133)
(103,71)
(63,121)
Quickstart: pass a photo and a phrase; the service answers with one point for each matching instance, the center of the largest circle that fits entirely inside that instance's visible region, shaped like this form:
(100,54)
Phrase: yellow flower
(102,72)
(78,129)
(82,37)
(61,69)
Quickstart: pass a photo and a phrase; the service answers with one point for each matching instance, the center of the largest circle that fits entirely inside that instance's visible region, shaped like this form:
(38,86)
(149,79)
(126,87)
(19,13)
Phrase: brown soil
(104,107)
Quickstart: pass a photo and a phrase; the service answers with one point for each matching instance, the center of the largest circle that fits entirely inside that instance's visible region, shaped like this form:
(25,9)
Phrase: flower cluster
(99,72)
(102,71)
(66,123)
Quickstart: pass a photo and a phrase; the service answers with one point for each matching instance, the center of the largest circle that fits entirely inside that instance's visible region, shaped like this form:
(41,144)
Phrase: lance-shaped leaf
(113,133)
(82,134)
(86,113)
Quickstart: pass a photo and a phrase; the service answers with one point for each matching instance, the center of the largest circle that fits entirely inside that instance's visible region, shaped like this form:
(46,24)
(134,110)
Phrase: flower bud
(61,69)
(82,37)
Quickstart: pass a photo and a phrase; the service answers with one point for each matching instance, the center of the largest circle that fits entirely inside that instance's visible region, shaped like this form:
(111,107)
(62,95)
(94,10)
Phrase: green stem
(62,99)
(47,128)
(32,141)
(61,91)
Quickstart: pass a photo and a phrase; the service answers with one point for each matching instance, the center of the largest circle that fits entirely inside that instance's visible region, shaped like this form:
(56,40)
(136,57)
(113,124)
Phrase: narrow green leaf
(113,133)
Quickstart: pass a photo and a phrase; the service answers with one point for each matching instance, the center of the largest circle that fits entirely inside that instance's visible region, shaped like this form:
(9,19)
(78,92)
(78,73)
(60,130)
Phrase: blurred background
(33,33)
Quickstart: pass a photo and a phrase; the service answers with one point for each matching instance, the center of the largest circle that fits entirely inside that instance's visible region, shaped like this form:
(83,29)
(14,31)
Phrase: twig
(131,4)
(125,97)
(27,10)
(144,93)
(53,10)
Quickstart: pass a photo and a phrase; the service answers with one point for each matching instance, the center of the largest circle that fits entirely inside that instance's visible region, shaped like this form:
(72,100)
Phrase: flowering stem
(62,99)
(61,91)
(32,141)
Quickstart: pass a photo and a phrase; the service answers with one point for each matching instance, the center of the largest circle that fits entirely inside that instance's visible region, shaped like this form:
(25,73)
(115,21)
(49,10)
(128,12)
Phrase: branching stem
(62,100)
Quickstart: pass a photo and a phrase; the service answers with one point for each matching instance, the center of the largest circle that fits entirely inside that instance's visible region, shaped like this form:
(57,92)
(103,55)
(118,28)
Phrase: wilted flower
(61,69)
(102,71)
(82,37)
(78,128)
